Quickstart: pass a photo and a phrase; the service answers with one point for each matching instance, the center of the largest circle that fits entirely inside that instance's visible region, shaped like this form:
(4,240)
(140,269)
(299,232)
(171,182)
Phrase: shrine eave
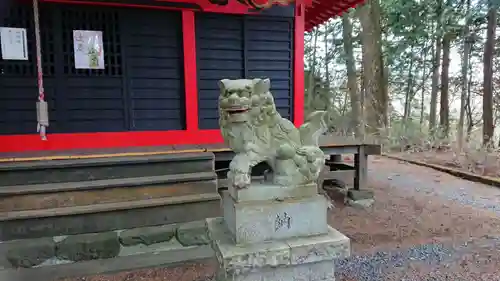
(320,11)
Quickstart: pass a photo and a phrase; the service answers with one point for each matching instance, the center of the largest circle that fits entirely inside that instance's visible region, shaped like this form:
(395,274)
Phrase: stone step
(27,224)
(73,170)
(51,258)
(58,195)
(103,184)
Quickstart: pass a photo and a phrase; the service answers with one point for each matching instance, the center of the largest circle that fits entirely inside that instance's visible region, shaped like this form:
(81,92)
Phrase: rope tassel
(42,115)
(42,111)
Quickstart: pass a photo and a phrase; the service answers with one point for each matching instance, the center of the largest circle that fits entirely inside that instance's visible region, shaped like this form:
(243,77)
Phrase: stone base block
(90,246)
(320,271)
(309,258)
(258,221)
(356,195)
(268,191)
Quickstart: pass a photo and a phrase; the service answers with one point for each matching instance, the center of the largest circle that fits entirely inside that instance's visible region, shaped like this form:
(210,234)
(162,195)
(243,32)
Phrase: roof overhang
(319,11)
(316,11)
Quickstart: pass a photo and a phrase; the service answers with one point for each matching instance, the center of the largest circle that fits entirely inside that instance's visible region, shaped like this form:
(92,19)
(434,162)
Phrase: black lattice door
(154,56)
(140,88)
(18,78)
(94,99)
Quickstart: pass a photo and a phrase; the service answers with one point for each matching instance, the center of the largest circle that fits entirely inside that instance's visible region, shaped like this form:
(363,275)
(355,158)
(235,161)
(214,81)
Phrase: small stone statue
(256,132)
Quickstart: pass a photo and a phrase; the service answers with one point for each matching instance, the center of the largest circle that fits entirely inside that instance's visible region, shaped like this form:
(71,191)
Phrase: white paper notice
(89,52)
(14,43)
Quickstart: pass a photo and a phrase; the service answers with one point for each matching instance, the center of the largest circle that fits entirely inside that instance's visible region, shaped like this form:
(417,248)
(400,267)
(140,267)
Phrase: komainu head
(243,100)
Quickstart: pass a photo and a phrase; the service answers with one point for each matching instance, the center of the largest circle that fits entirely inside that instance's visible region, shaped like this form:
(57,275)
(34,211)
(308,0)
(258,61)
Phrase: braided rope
(41,92)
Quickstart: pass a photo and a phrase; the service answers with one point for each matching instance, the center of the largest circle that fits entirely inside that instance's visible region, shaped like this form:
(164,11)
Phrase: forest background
(412,75)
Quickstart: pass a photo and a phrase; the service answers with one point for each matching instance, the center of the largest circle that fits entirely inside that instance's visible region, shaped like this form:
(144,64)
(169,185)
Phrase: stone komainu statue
(256,132)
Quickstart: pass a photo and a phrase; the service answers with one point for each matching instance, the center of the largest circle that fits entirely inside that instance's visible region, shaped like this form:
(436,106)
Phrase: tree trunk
(312,74)
(352,84)
(409,91)
(468,107)
(444,111)
(373,65)
(327,58)
(362,95)
(465,81)
(435,72)
(424,79)
(328,53)
(489,48)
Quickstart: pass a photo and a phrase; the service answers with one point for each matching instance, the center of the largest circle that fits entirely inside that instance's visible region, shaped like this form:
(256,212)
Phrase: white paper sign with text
(14,43)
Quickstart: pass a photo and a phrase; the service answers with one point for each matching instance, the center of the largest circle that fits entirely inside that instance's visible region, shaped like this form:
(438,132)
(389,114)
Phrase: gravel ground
(446,187)
(424,225)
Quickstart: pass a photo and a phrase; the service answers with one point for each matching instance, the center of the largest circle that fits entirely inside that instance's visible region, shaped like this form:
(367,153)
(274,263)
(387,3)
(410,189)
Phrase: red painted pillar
(298,65)
(190,72)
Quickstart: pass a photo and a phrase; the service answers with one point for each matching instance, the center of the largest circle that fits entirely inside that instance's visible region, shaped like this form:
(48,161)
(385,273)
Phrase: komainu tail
(315,125)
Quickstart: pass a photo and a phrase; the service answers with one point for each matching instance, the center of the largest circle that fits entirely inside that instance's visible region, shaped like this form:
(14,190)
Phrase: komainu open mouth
(236,110)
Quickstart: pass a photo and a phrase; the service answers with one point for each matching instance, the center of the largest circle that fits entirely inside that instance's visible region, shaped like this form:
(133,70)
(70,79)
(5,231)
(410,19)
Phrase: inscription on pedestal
(258,221)
(282,221)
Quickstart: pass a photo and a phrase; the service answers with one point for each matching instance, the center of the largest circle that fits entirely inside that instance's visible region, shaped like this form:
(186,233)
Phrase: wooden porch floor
(325,142)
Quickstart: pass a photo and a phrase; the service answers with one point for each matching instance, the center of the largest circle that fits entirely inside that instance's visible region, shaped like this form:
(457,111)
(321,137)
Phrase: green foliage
(409,32)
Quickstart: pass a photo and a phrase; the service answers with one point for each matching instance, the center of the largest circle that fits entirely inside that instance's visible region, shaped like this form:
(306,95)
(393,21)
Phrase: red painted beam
(233,7)
(111,4)
(298,66)
(23,143)
(190,73)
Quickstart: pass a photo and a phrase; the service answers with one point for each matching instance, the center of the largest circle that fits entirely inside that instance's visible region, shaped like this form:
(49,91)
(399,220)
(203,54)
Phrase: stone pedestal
(258,221)
(281,234)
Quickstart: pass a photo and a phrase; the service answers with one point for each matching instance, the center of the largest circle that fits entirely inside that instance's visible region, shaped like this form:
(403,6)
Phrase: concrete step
(28,224)
(74,170)
(103,184)
(58,195)
(68,197)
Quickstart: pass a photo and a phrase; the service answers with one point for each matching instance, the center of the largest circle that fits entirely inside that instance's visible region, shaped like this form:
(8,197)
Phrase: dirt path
(477,162)
(425,225)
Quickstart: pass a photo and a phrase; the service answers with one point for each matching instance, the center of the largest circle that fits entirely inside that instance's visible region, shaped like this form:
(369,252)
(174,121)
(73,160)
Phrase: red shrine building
(161,63)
